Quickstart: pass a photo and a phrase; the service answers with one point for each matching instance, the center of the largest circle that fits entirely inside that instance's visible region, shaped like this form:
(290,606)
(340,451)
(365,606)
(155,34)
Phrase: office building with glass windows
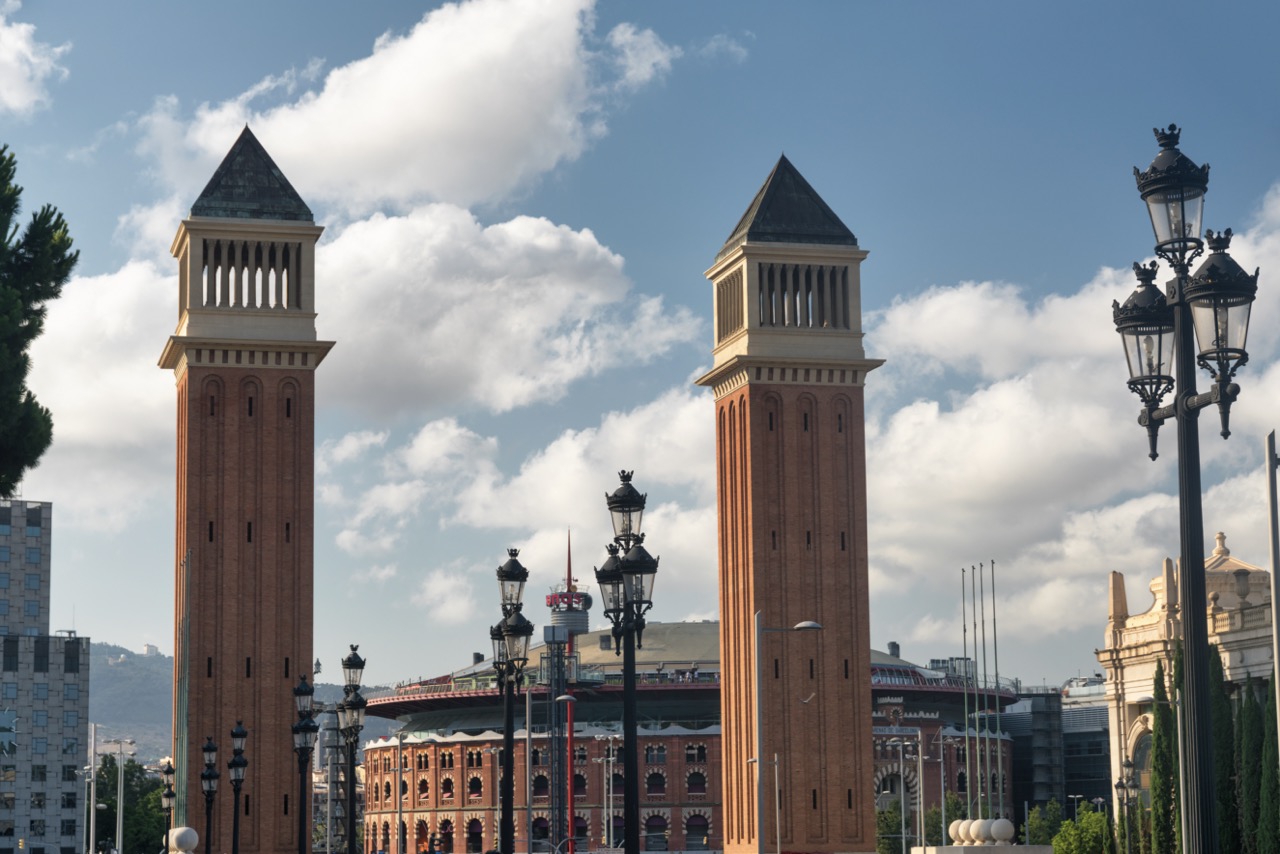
(44,696)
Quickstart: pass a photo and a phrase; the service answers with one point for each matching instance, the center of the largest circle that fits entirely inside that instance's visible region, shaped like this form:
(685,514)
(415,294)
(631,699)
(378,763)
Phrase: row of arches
(655,784)
(471,836)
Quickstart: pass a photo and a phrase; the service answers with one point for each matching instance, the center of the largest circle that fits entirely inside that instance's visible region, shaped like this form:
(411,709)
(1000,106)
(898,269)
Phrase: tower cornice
(182,352)
(738,371)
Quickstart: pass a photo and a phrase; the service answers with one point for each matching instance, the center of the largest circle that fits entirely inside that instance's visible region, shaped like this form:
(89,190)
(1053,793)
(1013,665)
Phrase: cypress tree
(1224,756)
(1251,738)
(1177,761)
(1163,753)
(1269,797)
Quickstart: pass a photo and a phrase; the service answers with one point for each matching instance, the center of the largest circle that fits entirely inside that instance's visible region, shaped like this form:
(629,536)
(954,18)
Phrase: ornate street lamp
(209,786)
(235,770)
(1159,333)
(510,655)
(304,739)
(626,583)
(167,798)
(350,723)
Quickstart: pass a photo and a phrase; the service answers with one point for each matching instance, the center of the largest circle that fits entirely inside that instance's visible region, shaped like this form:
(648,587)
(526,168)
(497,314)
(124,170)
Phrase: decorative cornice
(182,352)
(743,370)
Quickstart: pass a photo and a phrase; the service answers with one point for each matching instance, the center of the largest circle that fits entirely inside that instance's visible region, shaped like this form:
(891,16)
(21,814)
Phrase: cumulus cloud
(447,597)
(27,65)
(641,55)
(724,46)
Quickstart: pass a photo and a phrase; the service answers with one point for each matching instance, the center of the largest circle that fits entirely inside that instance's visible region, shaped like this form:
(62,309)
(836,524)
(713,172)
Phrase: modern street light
(777,803)
(120,744)
(304,740)
(350,722)
(626,583)
(209,786)
(804,626)
(235,771)
(1075,806)
(167,798)
(510,654)
(1160,332)
(901,744)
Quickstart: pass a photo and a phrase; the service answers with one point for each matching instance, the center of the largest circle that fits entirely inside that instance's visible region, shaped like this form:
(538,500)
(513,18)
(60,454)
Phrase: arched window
(446,789)
(655,784)
(446,837)
(961,782)
(695,753)
(541,786)
(697,833)
(475,836)
(541,834)
(404,789)
(619,784)
(579,755)
(655,833)
(386,836)
(580,831)
(697,783)
(579,785)
(386,791)
(475,789)
(424,789)
(538,756)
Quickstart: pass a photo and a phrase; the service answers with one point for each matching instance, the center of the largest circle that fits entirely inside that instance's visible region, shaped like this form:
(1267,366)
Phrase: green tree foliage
(1087,834)
(1043,823)
(1224,758)
(1164,753)
(143,816)
(1269,796)
(1252,734)
(889,829)
(34,265)
(1176,689)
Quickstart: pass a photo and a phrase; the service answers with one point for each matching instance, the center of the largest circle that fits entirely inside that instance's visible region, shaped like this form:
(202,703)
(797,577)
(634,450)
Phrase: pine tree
(1164,752)
(1269,797)
(1224,757)
(33,268)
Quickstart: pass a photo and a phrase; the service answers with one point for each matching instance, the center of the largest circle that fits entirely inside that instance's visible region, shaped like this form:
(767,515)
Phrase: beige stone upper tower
(244,357)
(791,468)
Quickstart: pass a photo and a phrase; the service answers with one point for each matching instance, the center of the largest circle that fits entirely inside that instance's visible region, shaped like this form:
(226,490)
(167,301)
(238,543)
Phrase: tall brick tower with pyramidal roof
(244,357)
(788,377)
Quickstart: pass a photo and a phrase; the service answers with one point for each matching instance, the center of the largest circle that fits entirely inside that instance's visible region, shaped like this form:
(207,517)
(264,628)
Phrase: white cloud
(447,597)
(378,574)
(26,65)
(642,56)
(725,46)
(349,448)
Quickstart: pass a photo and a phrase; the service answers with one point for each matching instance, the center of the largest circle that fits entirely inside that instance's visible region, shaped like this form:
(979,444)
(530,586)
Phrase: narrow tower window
(805,420)
(248,667)
(846,668)
(288,407)
(213,405)
(815,799)
(286,532)
(808,539)
(249,532)
(211,532)
(770,422)
(842,541)
(775,668)
(286,667)
(286,804)
(774,536)
(839,422)
(848,795)
(251,407)
(811,668)
(208,667)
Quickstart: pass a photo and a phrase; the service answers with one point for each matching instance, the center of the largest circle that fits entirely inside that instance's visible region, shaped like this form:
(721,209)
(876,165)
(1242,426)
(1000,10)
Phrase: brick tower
(244,357)
(788,377)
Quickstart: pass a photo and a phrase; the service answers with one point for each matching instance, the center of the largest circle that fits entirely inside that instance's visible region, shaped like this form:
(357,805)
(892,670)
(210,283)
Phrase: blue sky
(520,200)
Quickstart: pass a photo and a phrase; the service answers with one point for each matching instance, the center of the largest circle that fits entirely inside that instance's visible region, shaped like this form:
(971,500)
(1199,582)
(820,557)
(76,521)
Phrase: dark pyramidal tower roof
(788,210)
(249,185)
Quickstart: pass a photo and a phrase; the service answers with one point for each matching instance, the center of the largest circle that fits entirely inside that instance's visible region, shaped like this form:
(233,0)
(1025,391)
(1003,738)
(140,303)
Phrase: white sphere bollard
(953,831)
(1002,831)
(966,831)
(981,831)
(183,839)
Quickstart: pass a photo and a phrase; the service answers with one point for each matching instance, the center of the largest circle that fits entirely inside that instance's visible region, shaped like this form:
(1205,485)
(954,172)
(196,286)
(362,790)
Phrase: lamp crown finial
(1218,242)
(1168,137)
(625,476)
(513,553)
(1146,273)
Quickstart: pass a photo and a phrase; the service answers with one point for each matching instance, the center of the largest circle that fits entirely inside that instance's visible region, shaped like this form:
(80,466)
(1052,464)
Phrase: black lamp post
(350,723)
(626,584)
(167,799)
(510,654)
(1126,793)
(304,739)
(235,770)
(209,785)
(1159,333)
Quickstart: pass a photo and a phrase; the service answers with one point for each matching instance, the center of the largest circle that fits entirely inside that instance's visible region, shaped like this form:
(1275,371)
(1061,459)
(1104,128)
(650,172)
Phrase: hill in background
(131,696)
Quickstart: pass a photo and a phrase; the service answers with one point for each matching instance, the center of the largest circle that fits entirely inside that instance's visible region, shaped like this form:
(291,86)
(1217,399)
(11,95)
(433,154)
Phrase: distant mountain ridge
(131,696)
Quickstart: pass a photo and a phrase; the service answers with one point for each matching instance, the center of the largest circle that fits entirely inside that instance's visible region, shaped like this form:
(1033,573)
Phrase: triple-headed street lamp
(304,739)
(510,654)
(626,584)
(1127,788)
(350,722)
(1160,332)
(168,797)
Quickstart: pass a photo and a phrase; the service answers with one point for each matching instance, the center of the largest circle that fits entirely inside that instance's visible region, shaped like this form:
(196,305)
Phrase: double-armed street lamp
(1127,788)
(304,740)
(350,722)
(209,786)
(626,584)
(510,654)
(1160,333)
(235,771)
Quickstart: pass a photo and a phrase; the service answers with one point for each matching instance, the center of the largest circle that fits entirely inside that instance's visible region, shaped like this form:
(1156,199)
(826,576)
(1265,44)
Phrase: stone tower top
(249,185)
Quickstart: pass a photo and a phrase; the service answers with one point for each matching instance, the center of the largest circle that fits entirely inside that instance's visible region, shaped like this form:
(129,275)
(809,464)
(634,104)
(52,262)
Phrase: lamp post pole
(510,654)
(626,582)
(304,739)
(235,770)
(351,721)
(1160,333)
(209,786)
(805,626)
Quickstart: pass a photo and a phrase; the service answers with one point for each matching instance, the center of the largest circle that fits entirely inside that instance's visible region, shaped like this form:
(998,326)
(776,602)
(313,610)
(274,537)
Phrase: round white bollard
(953,831)
(981,831)
(183,839)
(1002,831)
(966,832)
